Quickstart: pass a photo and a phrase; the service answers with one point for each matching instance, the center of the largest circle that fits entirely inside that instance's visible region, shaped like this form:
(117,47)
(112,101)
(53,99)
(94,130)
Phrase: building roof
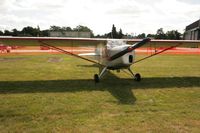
(196,24)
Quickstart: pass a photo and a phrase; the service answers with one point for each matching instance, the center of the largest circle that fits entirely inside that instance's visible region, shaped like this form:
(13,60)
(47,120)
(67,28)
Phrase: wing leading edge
(56,41)
(63,41)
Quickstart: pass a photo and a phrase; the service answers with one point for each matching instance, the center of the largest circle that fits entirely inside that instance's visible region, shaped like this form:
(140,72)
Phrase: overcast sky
(133,16)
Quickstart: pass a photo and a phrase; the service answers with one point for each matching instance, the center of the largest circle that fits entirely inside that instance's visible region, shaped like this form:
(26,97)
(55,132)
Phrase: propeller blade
(139,44)
(129,49)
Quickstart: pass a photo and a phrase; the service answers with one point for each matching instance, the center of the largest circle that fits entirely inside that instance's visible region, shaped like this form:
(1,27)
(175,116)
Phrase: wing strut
(67,52)
(157,53)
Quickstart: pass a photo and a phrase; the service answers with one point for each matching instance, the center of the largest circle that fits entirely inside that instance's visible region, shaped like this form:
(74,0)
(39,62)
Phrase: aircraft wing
(63,41)
(159,46)
(156,47)
(165,43)
(55,41)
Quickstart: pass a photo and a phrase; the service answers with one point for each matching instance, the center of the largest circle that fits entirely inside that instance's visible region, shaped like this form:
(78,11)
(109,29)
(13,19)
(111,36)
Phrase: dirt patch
(11,59)
(55,59)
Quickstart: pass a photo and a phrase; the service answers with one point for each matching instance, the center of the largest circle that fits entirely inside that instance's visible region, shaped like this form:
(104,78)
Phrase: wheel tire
(96,78)
(137,77)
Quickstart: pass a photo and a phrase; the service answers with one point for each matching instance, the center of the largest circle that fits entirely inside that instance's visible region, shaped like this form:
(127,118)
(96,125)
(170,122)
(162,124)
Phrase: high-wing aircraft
(111,54)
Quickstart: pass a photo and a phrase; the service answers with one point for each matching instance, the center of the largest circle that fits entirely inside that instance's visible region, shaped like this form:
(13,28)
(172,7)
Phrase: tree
(15,32)
(120,35)
(151,35)
(160,31)
(173,35)
(1,33)
(67,28)
(38,30)
(160,34)
(178,35)
(29,31)
(55,28)
(7,33)
(114,32)
(82,28)
(44,33)
(141,36)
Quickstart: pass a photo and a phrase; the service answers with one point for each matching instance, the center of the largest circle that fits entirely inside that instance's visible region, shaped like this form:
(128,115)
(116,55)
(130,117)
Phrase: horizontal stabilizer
(88,54)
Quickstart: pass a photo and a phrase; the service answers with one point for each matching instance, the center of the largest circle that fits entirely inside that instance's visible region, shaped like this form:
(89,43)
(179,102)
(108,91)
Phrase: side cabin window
(130,58)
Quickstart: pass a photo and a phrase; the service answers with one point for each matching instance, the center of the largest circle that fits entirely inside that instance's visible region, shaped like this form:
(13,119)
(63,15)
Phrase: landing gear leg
(137,76)
(98,77)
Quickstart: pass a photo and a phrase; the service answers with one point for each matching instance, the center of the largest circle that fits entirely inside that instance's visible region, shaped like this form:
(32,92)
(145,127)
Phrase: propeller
(129,49)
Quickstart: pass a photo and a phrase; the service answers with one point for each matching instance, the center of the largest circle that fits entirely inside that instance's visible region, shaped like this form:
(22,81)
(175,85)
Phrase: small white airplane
(112,54)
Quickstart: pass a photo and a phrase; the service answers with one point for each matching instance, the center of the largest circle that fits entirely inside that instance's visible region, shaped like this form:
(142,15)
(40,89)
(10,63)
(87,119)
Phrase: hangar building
(192,31)
(70,34)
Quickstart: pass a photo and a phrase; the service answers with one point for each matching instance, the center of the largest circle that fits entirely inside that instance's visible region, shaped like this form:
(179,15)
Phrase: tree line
(26,31)
(160,34)
(36,32)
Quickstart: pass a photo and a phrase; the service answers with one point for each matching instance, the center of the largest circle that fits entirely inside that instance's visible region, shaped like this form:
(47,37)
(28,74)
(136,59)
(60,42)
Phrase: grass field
(56,93)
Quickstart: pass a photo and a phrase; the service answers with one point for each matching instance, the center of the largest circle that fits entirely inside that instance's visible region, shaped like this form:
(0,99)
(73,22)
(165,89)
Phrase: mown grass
(56,93)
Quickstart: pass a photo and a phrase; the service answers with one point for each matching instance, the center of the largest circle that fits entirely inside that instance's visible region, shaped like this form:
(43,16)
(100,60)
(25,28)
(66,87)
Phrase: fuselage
(124,61)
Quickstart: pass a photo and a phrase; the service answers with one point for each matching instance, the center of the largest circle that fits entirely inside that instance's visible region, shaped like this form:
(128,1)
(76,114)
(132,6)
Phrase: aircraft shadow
(121,89)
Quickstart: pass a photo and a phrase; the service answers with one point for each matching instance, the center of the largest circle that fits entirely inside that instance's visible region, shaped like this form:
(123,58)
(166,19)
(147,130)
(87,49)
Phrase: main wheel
(96,78)
(137,77)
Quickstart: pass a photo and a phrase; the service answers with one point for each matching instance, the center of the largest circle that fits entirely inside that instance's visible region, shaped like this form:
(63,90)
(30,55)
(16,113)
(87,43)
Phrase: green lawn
(56,93)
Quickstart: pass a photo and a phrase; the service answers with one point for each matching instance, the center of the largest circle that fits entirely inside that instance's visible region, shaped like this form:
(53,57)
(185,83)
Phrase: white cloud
(190,1)
(133,16)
